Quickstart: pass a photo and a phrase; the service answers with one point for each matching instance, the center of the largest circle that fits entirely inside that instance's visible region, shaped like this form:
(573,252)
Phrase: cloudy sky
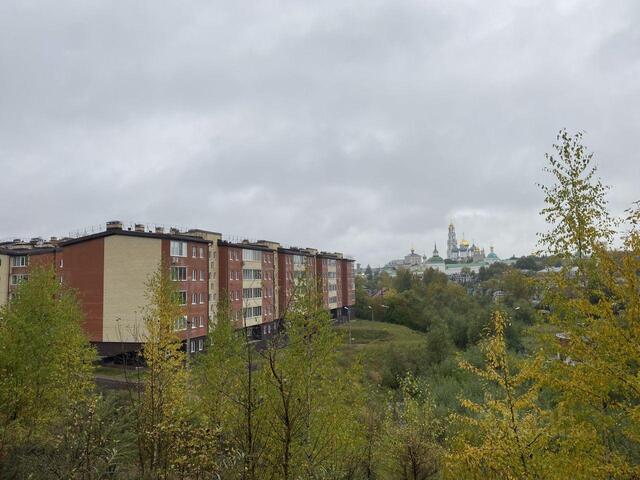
(357,126)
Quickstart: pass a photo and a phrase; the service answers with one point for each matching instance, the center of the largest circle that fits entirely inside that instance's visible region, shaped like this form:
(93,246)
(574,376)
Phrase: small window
(193,346)
(201,275)
(20,261)
(202,321)
(200,344)
(201,298)
(201,252)
(16,279)
(178,274)
(61,262)
(193,252)
(178,249)
(194,298)
(182,297)
(194,275)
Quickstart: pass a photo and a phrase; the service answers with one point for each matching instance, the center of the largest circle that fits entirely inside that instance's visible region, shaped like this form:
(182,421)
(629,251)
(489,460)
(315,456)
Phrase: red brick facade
(271,272)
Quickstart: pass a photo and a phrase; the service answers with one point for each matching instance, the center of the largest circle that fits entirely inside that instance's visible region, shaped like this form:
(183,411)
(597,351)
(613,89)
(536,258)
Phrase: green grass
(366,332)
(380,347)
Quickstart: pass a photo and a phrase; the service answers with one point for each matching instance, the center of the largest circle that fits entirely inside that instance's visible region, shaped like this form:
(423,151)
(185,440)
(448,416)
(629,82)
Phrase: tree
(576,204)
(594,307)
(45,368)
(163,406)
(310,403)
(368,273)
(412,451)
(230,392)
(438,345)
(597,384)
(403,280)
(505,436)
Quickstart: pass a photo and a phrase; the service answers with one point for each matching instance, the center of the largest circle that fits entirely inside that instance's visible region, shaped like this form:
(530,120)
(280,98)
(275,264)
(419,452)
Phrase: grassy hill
(386,350)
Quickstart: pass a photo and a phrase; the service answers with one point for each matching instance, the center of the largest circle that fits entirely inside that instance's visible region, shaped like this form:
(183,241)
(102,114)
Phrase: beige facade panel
(128,264)
(252,321)
(4,279)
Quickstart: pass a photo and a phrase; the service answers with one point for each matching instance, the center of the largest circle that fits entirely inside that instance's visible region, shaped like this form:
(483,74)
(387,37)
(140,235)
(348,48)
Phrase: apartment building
(293,264)
(248,277)
(110,269)
(17,258)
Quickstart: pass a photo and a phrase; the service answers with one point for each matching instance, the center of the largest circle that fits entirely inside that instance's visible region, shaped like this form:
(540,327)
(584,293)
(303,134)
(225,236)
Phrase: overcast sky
(362,126)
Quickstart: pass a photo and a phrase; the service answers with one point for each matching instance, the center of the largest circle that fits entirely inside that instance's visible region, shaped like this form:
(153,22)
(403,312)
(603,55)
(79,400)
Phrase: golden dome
(464,243)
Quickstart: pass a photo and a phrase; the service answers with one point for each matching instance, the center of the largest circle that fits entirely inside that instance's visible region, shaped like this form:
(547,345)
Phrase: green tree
(230,391)
(45,368)
(403,280)
(368,273)
(164,405)
(576,203)
(411,447)
(310,401)
(594,307)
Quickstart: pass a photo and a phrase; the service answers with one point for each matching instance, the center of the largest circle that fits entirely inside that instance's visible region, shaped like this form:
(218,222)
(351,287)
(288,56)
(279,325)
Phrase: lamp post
(370,308)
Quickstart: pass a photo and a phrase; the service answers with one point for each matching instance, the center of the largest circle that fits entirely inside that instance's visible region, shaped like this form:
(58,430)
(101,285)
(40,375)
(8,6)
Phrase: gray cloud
(358,126)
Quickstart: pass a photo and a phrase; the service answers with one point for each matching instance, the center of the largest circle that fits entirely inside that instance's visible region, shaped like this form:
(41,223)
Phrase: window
(201,275)
(178,274)
(20,261)
(182,297)
(193,346)
(61,262)
(181,323)
(194,322)
(194,298)
(201,252)
(194,275)
(201,298)
(178,249)
(251,292)
(251,255)
(16,279)
(249,312)
(251,274)
(202,321)
(193,252)
(200,344)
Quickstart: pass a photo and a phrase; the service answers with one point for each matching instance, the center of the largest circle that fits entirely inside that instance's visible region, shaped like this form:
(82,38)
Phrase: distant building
(464,250)
(436,262)
(492,257)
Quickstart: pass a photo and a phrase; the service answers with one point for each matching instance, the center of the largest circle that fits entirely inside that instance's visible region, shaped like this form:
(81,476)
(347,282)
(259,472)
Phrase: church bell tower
(452,243)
